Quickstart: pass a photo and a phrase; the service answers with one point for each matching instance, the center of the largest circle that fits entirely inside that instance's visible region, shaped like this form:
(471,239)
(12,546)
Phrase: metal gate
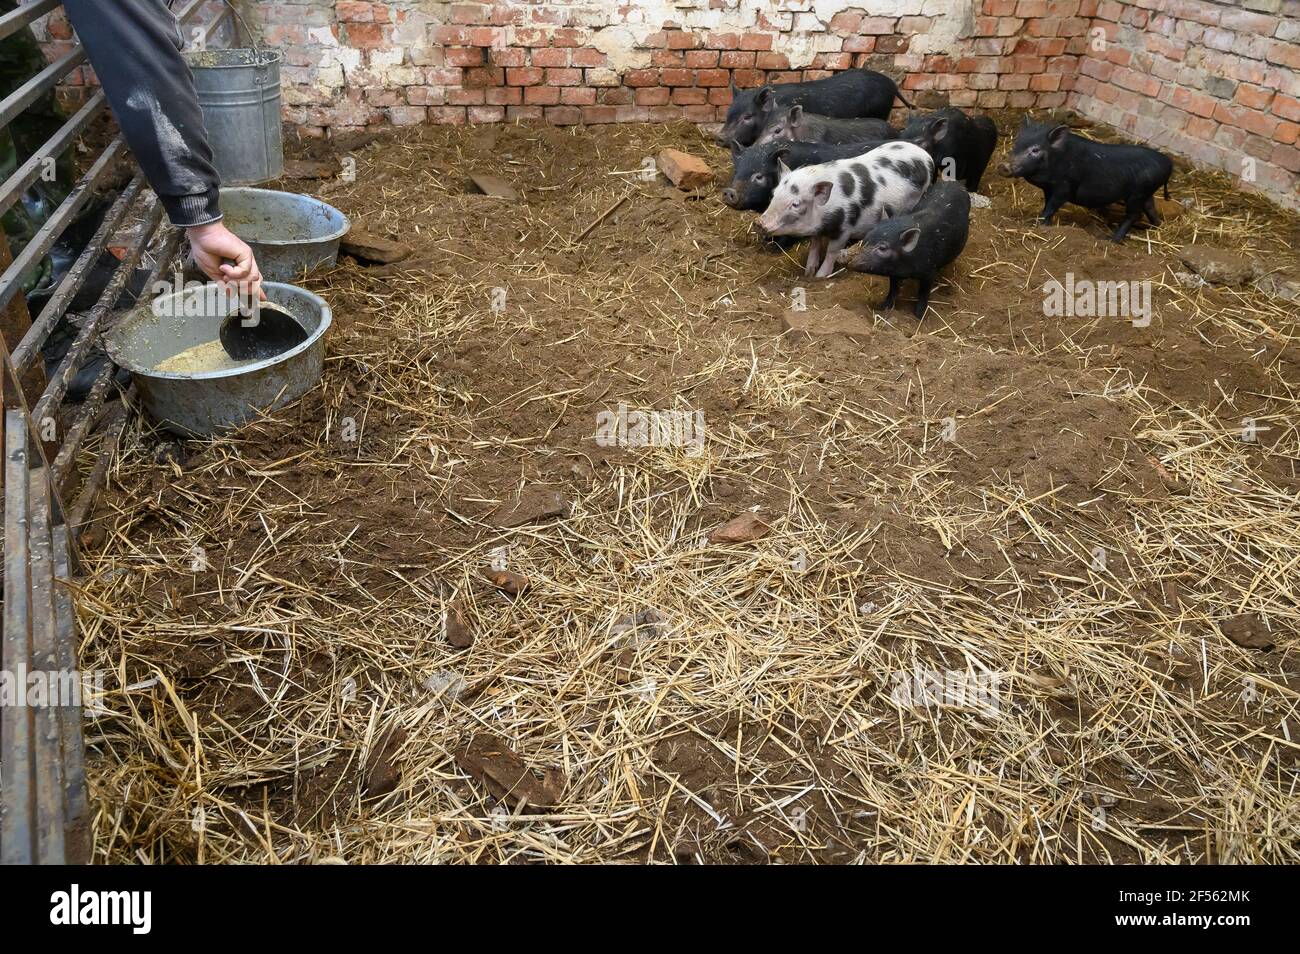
(43,803)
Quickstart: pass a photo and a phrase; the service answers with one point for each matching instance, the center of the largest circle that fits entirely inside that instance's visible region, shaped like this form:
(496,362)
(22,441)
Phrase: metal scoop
(272,330)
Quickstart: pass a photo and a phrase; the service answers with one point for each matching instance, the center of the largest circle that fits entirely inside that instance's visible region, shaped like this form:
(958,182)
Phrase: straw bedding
(1015,588)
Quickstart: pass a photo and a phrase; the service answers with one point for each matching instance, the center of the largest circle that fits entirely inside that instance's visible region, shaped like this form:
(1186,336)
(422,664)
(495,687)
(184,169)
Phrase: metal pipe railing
(43,801)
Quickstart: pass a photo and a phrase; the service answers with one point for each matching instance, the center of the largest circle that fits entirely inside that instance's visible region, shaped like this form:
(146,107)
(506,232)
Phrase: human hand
(226,259)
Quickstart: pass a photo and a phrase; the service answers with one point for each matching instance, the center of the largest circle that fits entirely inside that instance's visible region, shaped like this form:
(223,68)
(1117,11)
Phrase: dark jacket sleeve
(134,46)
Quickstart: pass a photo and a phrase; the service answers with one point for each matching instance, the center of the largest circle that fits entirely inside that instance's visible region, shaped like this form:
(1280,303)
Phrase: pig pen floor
(1062,511)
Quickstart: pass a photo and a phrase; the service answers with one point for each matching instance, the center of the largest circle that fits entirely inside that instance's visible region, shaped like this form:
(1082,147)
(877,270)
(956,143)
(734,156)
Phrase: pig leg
(1051,205)
(892,298)
(1150,211)
(814,256)
(923,287)
(833,250)
(1132,212)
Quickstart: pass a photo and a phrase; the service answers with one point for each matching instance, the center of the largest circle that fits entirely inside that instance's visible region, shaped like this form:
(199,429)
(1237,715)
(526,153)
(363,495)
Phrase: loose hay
(1062,512)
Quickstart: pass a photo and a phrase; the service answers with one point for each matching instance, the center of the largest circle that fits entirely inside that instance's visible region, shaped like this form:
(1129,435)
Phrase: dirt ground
(1093,523)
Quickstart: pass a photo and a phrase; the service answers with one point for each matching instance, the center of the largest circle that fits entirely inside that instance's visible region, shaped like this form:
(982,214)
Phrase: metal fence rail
(43,803)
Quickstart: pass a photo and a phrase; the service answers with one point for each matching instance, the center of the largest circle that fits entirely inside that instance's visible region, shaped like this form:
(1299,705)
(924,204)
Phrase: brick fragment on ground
(373,248)
(683,170)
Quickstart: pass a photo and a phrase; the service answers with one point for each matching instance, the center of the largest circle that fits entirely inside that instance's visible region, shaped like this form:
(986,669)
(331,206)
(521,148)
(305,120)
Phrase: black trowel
(271,330)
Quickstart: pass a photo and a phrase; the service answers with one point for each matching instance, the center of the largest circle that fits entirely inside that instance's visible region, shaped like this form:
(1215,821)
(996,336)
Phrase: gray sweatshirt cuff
(187,211)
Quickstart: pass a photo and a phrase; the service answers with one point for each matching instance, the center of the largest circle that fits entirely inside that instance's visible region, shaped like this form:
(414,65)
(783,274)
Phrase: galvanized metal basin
(203,403)
(239,94)
(290,234)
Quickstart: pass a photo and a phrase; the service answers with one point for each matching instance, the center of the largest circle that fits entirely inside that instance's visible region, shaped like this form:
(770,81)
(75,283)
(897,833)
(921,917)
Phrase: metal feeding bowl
(200,402)
(290,234)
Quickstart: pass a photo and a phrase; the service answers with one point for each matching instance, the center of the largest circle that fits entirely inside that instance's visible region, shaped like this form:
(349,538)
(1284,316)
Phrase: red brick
(542,95)
(677,77)
(508,56)
(737,60)
(678,40)
(550,57)
(1202,128)
(748,79)
(846,22)
(702,59)
(467,13)
(1284,54)
(354,11)
(690,96)
(1261,124)
(1287,107)
(1045,82)
(892,44)
(722,41)
(653,96)
(486,114)
(524,113)
(772,61)
(524,76)
(878,26)
(530,36)
(598,114)
(1287,132)
(860,44)
(756,41)
(464,56)
(483,76)
(589,57)
(447,115)
(504,96)
(465,97)
(564,77)
(641,78)
(568,36)
(1288,157)
(578,96)
(563,115)
(712,78)
(367,36)
(1253,97)
(671,58)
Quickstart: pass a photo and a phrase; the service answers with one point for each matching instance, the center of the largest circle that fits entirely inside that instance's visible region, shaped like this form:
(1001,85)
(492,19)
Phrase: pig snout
(730,197)
(1005,170)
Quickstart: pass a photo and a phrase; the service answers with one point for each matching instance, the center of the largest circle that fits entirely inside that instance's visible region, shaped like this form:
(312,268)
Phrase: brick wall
(357,63)
(1215,81)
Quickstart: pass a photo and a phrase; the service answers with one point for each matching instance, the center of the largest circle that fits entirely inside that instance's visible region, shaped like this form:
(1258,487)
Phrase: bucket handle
(243,23)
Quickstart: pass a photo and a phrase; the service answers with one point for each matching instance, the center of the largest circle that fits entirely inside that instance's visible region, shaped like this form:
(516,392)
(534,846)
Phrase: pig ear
(795,114)
(780,156)
(764,98)
(736,148)
(782,170)
(1056,137)
(822,191)
(910,238)
(940,129)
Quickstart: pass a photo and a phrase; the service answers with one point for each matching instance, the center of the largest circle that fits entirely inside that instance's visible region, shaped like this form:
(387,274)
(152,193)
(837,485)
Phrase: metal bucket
(290,234)
(202,403)
(239,93)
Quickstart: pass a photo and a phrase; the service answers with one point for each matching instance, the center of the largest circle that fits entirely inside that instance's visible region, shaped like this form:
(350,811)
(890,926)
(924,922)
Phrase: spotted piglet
(836,203)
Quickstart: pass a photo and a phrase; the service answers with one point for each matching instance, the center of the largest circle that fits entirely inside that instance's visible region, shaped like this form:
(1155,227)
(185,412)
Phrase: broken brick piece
(683,170)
